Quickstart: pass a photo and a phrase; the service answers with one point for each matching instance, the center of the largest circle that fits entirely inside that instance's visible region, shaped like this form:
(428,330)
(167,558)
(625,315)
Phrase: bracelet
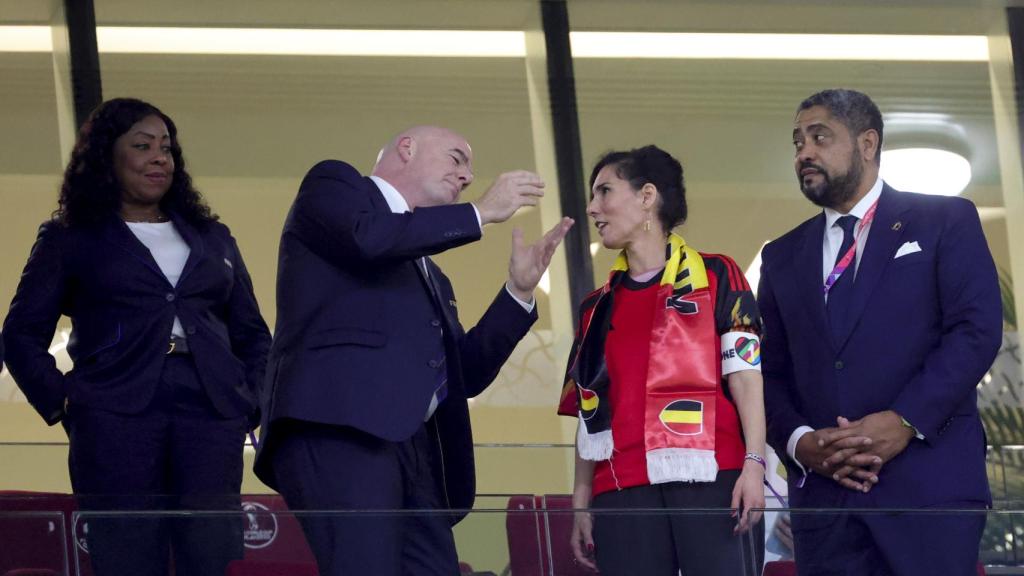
(756,458)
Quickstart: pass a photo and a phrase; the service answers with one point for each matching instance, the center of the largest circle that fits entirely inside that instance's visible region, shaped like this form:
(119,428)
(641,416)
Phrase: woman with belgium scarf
(665,378)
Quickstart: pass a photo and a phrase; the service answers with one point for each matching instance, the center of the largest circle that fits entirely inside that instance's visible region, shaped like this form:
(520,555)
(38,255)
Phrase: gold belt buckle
(172,346)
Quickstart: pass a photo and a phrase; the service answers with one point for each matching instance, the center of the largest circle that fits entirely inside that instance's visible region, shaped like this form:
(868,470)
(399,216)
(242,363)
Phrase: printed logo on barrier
(683,417)
(81,534)
(260,525)
(588,403)
(749,350)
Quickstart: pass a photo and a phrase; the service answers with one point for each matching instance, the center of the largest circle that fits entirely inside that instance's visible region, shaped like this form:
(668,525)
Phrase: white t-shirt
(169,250)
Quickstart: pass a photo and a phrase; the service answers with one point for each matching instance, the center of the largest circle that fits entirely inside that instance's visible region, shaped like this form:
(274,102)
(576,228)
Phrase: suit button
(169,297)
(190,330)
(433,363)
(435,323)
(839,365)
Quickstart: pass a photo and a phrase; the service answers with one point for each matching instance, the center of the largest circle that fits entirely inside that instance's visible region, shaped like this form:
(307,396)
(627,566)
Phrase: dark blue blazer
(358,331)
(122,308)
(924,329)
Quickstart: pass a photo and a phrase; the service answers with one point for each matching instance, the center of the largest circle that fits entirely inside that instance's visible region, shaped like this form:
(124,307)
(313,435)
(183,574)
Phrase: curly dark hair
(650,164)
(90,191)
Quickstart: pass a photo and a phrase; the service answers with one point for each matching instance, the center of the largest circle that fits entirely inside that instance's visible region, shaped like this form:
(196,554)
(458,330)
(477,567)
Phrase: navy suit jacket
(122,308)
(359,333)
(924,328)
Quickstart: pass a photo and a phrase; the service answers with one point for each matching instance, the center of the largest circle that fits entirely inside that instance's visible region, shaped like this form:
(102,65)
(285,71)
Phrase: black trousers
(178,454)
(653,544)
(920,543)
(324,469)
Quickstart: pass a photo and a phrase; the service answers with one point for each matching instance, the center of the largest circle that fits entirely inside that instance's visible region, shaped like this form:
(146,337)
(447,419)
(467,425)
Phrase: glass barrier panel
(928,541)
(502,468)
(513,535)
(526,536)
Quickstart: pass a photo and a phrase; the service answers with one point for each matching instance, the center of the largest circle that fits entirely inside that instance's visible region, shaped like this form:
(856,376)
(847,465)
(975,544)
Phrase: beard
(833,191)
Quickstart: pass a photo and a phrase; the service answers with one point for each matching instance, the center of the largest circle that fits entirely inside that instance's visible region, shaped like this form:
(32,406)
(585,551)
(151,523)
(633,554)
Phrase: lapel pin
(897,226)
(452,302)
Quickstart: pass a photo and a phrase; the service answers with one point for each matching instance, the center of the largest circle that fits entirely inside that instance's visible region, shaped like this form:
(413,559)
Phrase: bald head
(428,165)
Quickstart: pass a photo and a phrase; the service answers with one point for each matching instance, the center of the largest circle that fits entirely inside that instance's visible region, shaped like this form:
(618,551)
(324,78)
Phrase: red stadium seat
(779,568)
(538,529)
(559,532)
(270,568)
(526,543)
(274,542)
(272,533)
(33,532)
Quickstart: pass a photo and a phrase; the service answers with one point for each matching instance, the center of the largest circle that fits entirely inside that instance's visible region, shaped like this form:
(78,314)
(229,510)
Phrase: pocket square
(907,248)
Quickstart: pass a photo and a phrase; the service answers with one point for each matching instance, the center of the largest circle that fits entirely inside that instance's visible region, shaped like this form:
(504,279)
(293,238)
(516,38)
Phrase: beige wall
(251,126)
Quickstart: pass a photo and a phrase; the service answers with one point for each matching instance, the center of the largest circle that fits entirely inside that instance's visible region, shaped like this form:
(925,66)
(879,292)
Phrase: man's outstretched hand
(529,261)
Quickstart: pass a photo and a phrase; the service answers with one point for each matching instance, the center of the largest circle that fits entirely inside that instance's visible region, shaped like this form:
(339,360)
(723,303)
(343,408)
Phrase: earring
(647,225)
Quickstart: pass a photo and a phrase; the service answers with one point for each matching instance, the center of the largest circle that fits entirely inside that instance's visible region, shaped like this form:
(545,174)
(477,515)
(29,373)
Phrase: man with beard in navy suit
(881,315)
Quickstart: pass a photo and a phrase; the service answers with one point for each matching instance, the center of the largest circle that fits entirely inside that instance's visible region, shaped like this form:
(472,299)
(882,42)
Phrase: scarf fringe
(596,446)
(681,465)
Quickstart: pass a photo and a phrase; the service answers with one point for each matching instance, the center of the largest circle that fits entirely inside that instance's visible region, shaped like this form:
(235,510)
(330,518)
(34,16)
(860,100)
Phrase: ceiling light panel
(510,44)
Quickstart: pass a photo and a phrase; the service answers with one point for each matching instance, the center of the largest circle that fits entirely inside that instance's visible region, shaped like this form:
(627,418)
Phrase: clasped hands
(854,452)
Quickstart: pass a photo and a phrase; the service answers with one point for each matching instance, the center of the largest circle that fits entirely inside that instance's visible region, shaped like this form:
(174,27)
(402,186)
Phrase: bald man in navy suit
(370,369)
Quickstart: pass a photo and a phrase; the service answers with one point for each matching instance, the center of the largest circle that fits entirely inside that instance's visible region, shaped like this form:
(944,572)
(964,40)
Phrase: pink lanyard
(851,253)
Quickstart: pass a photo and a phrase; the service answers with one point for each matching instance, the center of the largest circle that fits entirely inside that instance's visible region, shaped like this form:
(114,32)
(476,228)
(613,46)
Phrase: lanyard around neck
(851,252)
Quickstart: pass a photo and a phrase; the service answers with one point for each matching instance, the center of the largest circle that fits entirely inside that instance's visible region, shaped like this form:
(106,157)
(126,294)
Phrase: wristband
(756,458)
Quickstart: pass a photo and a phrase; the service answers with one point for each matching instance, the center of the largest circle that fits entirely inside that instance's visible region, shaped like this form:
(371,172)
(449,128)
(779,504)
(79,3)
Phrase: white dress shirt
(830,244)
(833,239)
(169,250)
(399,205)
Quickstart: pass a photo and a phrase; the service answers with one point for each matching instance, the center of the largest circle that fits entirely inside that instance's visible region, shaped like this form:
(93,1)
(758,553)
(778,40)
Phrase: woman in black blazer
(167,341)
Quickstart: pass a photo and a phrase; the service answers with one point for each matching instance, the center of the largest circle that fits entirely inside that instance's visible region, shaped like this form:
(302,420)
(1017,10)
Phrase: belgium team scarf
(682,376)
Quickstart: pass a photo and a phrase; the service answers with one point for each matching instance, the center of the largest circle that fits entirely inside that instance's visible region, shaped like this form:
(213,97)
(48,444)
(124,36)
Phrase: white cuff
(740,351)
(528,306)
(479,222)
(791,445)
(431,407)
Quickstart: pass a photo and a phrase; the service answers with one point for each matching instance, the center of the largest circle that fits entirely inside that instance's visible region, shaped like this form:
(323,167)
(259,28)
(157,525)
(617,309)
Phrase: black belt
(178,346)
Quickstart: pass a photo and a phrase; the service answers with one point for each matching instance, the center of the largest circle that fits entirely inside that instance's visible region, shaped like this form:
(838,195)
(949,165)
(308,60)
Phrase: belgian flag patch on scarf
(683,417)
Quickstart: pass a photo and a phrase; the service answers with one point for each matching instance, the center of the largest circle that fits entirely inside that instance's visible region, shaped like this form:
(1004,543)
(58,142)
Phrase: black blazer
(359,331)
(122,308)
